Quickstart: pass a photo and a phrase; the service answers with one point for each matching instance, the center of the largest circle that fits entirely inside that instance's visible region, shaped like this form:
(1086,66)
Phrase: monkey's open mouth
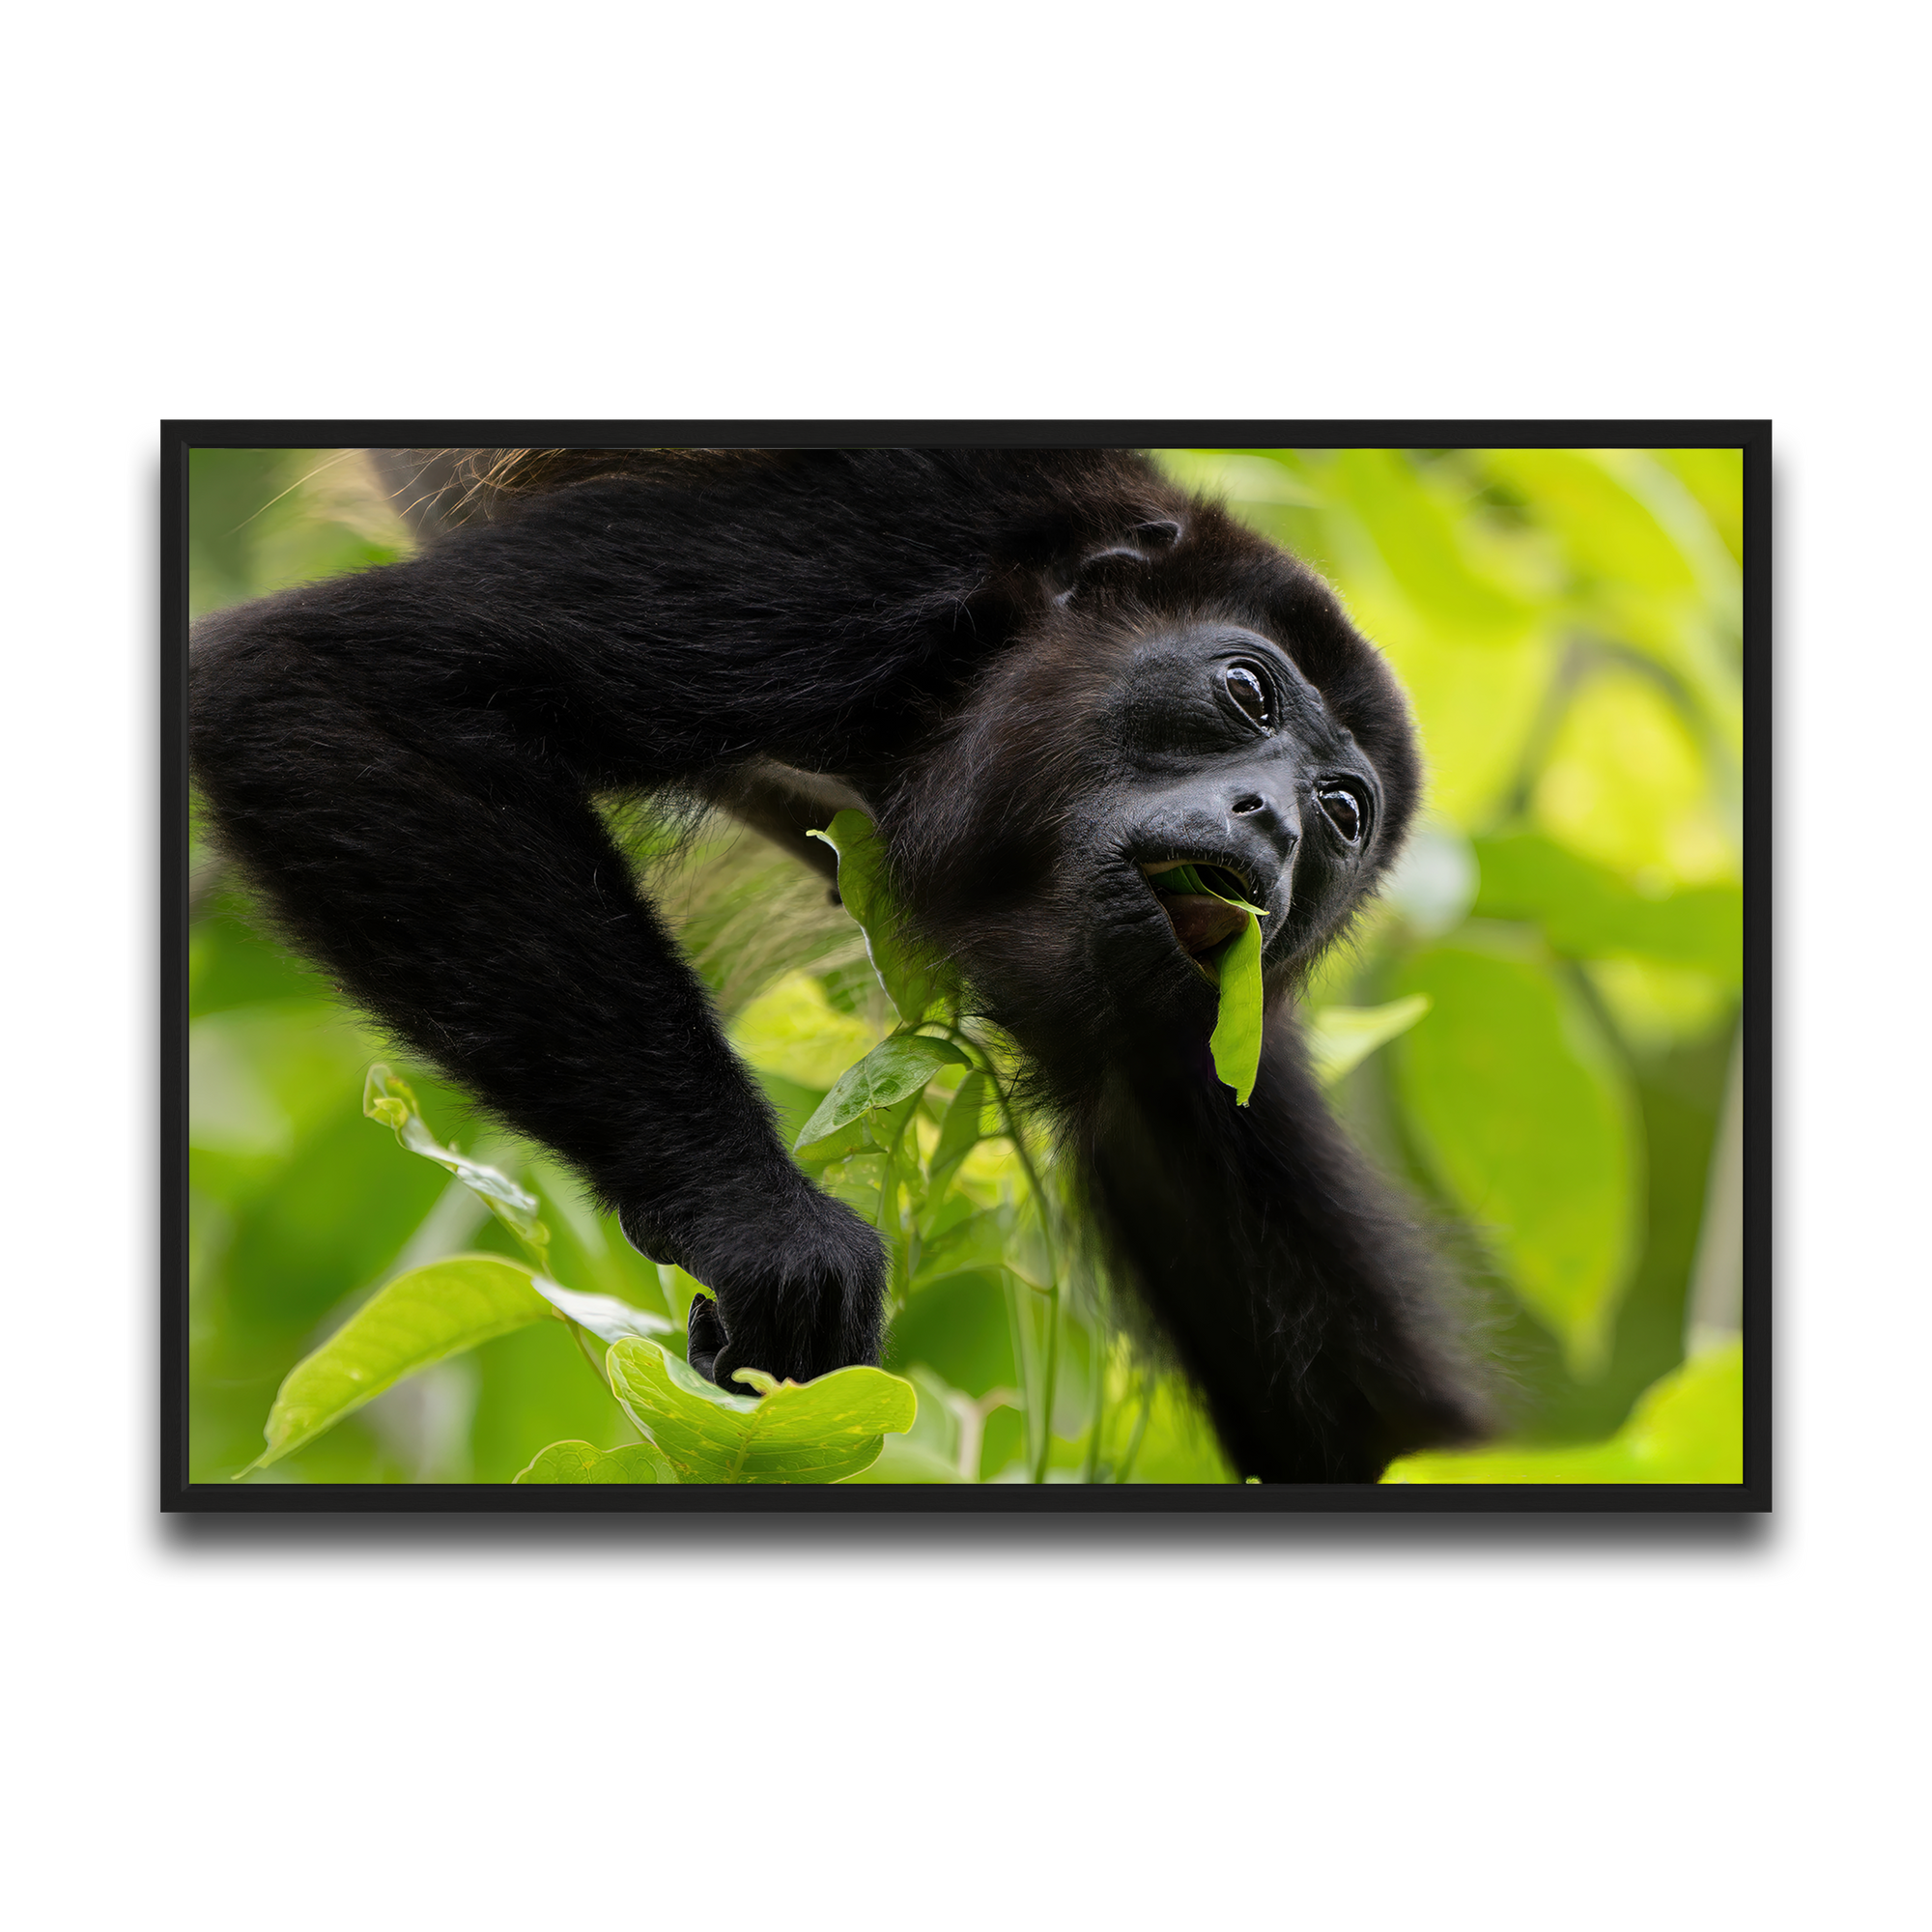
(1202,923)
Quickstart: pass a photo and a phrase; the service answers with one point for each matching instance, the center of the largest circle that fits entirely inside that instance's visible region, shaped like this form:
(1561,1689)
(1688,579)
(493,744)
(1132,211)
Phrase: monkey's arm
(1296,1294)
(403,763)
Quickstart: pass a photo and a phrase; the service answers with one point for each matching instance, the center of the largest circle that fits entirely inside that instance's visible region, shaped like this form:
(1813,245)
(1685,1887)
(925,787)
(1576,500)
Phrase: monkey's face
(1087,783)
(1224,757)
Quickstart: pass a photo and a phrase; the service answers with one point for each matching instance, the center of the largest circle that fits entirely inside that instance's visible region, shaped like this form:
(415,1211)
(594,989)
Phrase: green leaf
(899,1181)
(1188,879)
(960,1131)
(1236,1039)
(580,1462)
(853,1139)
(894,1071)
(390,1101)
(1689,1428)
(604,1315)
(1341,1037)
(858,1181)
(979,1240)
(420,1317)
(916,980)
(1528,1125)
(816,1431)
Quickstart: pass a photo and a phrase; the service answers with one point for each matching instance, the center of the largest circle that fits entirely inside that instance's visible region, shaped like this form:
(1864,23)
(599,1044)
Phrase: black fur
(1017,661)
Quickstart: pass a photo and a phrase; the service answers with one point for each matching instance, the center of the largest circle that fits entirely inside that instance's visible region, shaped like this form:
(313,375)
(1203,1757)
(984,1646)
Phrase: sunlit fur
(404,761)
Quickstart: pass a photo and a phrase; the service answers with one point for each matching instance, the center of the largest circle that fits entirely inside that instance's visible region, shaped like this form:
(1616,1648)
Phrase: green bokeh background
(1566,623)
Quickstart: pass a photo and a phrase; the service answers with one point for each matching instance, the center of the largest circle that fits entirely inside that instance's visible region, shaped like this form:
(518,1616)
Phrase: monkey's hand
(799,1280)
(704,1337)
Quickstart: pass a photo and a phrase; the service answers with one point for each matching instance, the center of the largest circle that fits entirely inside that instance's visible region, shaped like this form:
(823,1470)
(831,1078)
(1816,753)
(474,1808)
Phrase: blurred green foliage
(1566,623)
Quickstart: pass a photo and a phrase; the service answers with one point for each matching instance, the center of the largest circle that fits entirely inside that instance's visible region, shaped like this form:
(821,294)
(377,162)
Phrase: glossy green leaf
(1526,1122)
(1341,1037)
(1689,1428)
(894,1071)
(917,982)
(816,1431)
(390,1099)
(604,1315)
(420,1317)
(580,1462)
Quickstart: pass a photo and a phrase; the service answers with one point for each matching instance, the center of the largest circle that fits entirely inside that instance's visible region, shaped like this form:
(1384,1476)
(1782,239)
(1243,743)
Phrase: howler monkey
(1047,674)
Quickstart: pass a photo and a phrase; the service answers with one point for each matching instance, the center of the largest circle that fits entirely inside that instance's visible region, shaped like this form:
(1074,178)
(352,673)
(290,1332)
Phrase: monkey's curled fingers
(704,1337)
(801,1295)
(800,1282)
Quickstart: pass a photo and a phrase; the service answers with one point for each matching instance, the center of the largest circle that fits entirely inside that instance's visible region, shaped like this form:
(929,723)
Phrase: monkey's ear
(1142,544)
(1118,554)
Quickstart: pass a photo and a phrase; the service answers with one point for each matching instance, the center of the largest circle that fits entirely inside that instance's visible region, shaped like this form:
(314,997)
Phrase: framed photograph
(1193,967)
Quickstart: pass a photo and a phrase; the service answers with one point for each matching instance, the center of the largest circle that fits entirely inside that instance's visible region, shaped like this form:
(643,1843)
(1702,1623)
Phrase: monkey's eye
(1246,688)
(1344,810)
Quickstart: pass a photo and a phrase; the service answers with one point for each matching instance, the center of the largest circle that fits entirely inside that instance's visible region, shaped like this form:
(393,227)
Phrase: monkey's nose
(1256,812)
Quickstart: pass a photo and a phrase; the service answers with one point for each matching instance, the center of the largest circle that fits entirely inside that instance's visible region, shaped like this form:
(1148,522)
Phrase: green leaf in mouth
(1217,883)
(1236,1039)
